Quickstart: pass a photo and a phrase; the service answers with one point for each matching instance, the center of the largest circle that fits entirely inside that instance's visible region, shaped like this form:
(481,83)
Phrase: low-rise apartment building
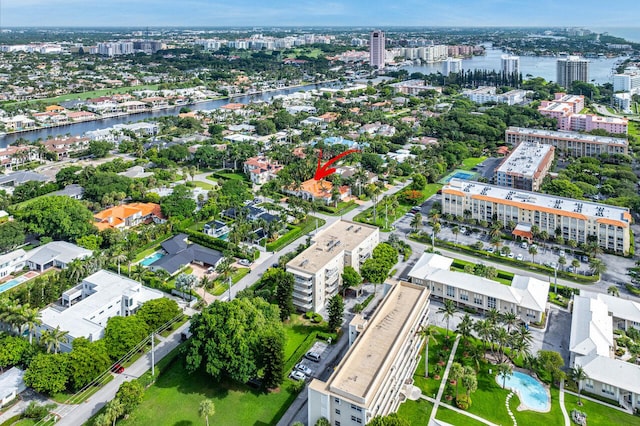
(526,296)
(592,347)
(576,219)
(318,269)
(374,376)
(483,95)
(525,167)
(566,109)
(87,307)
(571,144)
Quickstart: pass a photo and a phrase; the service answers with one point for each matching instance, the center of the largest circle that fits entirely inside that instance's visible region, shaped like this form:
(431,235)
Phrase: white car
(511,255)
(562,253)
(519,257)
(524,245)
(301,367)
(244,262)
(491,249)
(298,376)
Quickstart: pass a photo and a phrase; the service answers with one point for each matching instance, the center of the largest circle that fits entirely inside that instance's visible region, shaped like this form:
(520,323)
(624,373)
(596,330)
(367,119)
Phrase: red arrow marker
(323,170)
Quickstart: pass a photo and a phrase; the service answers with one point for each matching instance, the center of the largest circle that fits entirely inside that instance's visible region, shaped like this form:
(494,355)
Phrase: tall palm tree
(32,319)
(465,327)
(597,267)
(469,381)
(429,333)
(455,231)
(575,263)
(455,373)
(504,370)
(613,290)
(447,311)
(52,339)
(579,375)
(502,338)
(484,330)
(533,251)
(493,316)
(523,333)
(509,319)
(120,257)
(416,222)
(207,409)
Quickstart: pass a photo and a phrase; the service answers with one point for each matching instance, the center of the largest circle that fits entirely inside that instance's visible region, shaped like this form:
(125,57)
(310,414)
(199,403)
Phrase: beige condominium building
(318,269)
(526,166)
(572,144)
(374,376)
(576,219)
(526,296)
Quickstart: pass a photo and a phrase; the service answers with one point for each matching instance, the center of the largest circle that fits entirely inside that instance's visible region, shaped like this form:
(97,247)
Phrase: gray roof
(73,190)
(10,381)
(57,250)
(180,254)
(18,178)
(175,244)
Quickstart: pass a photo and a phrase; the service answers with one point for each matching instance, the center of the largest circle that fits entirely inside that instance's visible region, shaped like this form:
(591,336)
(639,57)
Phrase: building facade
(318,269)
(377,49)
(576,220)
(375,375)
(525,297)
(572,144)
(525,167)
(570,69)
(510,64)
(629,81)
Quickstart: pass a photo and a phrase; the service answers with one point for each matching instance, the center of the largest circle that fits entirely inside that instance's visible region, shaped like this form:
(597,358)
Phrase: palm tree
(52,339)
(504,370)
(469,380)
(32,319)
(523,333)
(613,290)
(416,222)
(484,330)
(597,267)
(429,332)
(493,316)
(436,227)
(120,257)
(509,319)
(113,410)
(496,242)
(575,263)
(206,409)
(593,249)
(579,375)
(533,250)
(456,230)
(562,261)
(447,311)
(465,327)
(455,373)
(519,347)
(503,339)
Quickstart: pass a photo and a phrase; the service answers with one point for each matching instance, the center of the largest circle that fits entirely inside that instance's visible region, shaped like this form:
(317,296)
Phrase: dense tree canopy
(58,217)
(179,203)
(11,235)
(157,312)
(124,333)
(48,373)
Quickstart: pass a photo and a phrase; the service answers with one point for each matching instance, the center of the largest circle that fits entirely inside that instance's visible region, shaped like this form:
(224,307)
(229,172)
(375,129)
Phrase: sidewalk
(443,383)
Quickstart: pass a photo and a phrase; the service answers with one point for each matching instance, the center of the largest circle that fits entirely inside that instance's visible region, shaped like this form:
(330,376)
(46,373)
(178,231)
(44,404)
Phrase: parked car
(244,262)
(491,249)
(561,253)
(585,259)
(511,255)
(524,245)
(519,257)
(298,376)
(313,356)
(301,367)
(117,368)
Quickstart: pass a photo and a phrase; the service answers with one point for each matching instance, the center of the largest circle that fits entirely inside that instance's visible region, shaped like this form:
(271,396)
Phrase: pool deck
(523,406)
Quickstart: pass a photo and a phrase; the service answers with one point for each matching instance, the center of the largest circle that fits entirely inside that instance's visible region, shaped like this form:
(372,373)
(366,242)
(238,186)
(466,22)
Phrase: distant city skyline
(369,13)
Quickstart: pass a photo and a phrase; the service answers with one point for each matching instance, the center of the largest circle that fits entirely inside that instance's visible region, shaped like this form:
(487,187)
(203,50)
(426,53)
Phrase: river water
(78,129)
(600,69)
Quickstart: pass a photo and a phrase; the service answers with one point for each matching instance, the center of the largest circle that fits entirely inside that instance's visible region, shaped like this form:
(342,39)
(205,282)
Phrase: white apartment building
(592,346)
(87,307)
(451,66)
(510,64)
(375,375)
(573,144)
(629,81)
(318,269)
(526,166)
(484,94)
(576,219)
(377,49)
(526,296)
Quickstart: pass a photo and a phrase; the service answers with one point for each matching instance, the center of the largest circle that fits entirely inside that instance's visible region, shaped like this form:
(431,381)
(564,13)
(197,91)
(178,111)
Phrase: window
(337,411)
(608,389)
(337,423)
(336,400)
(451,291)
(477,299)
(356,419)
(588,383)
(491,302)
(464,295)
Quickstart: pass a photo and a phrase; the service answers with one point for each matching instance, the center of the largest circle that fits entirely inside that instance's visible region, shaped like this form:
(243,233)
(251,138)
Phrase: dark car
(255,383)
(117,368)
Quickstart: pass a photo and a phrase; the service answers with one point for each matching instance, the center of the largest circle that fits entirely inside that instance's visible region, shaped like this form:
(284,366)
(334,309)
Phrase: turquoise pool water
(458,174)
(12,283)
(151,259)
(531,392)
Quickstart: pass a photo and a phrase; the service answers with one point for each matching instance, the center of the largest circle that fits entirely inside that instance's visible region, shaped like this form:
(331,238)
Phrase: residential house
(11,262)
(85,309)
(216,229)
(63,148)
(18,178)
(181,253)
(319,190)
(74,191)
(18,123)
(11,385)
(56,254)
(128,215)
(261,170)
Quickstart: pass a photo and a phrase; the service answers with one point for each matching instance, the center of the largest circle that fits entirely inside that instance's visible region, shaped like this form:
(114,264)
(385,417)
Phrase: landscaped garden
(296,231)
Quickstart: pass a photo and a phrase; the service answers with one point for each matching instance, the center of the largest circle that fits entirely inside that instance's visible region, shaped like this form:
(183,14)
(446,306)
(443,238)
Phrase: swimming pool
(458,174)
(151,259)
(12,283)
(531,392)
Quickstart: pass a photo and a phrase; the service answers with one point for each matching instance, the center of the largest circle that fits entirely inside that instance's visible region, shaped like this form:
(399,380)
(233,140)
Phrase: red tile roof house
(318,190)
(261,170)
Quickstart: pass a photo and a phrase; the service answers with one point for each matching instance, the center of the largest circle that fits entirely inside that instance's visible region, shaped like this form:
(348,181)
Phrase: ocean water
(627,33)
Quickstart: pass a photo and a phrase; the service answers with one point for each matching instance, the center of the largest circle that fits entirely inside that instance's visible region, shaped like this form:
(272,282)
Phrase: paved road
(79,414)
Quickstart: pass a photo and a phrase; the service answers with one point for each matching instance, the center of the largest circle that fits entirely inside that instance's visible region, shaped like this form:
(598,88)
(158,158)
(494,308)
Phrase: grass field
(470,163)
(175,397)
(303,228)
(415,412)
(453,418)
(220,287)
(204,185)
(633,128)
(598,414)
(89,95)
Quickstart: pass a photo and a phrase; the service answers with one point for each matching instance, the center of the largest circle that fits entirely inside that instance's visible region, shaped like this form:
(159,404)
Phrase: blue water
(151,259)
(531,392)
(462,175)
(12,283)
(458,174)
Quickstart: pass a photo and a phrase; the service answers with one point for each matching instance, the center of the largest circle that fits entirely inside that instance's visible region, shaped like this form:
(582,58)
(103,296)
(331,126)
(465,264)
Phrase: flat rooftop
(568,206)
(570,136)
(341,236)
(365,365)
(525,159)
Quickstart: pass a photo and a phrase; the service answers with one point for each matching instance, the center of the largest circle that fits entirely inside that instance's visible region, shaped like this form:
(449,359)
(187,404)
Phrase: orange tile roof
(233,106)
(116,216)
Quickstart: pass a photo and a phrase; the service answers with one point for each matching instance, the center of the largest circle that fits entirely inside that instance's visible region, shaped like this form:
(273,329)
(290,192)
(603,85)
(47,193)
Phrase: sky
(380,13)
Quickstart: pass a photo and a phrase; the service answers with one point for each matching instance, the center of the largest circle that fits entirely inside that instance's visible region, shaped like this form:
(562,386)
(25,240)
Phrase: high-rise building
(451,65)
(510,64)
(570,69)
(376,49)
(627,82)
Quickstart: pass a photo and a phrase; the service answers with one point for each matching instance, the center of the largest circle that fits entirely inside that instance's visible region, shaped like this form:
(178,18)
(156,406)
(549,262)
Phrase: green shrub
(37,411)
(309,314)
(317,318)
(463,402)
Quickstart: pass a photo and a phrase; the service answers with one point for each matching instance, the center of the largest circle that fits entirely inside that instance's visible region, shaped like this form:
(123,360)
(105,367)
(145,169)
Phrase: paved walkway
(567,420)
(457,410)
(443,384)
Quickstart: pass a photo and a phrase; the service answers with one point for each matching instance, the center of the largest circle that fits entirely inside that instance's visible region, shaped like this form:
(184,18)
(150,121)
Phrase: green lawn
(454,418)
(633,129)
(343,208)
(503,277)
(598,414)
(229,175)
(299,337)
(303,228)
(175,397)
(430,385)
(89,95)
(144,253)
(220,287)
(470,163)
(204,185)
(415,412)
